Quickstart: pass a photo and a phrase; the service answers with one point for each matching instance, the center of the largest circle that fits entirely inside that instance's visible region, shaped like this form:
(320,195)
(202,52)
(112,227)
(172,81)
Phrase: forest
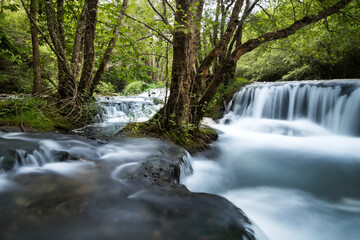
(66,52)
(180,119)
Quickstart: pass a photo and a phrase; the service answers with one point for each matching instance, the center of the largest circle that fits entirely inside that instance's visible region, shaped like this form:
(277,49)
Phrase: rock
(187,214)
(7,163)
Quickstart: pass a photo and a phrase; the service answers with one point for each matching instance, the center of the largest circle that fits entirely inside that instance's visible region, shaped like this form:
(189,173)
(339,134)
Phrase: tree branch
(111,45)
(224,40)
(163,18)
(254,43)
(149,27)
(172,9)
(58,55)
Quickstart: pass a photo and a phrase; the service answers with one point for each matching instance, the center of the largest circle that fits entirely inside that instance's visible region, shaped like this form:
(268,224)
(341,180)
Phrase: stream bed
(287,157)
(95,185)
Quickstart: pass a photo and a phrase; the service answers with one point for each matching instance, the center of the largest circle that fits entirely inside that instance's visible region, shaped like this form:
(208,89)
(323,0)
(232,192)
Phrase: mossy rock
(193,141)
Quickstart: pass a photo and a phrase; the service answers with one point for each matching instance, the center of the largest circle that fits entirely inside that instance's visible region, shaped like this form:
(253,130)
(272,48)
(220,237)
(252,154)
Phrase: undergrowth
(40,114)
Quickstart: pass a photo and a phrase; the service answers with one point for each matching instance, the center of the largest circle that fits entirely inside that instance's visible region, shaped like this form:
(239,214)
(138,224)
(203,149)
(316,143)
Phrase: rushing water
(288,154)
(70,187)
(118,111)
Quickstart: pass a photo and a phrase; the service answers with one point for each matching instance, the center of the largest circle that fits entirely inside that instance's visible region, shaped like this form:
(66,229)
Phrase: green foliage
(33,112)
(105,88)
(324,50)
(15,51)
(224,94)
(135,88)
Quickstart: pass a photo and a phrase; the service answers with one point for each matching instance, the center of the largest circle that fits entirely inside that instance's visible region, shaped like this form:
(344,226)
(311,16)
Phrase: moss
(193,141)
(34,113)
(223,96)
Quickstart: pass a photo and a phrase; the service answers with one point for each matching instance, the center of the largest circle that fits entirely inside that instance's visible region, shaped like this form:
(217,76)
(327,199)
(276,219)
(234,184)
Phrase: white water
(335,105)
(288,155)
(121,110)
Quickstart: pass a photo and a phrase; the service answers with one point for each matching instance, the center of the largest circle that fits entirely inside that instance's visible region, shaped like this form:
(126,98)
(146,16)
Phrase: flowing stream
(288,155)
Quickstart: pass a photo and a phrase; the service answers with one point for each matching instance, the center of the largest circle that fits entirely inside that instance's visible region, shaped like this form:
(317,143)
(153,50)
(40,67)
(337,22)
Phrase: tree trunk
(35,48)
(77,54)
(55,23)
(254,43)
(185,44)
(89,47)
(183,96)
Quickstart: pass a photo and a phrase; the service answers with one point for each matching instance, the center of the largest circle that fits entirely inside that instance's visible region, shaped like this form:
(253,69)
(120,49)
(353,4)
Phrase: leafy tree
(192,87)
(76,79)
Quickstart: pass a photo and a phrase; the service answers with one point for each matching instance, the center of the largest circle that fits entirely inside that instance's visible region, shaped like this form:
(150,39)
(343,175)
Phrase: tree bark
(185,44)
(183,97)
(55,23)
(35,48)
(77,54)
(89,46)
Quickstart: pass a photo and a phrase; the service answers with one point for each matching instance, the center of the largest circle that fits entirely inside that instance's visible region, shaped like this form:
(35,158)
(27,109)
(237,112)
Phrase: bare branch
(267,14)
(142,38)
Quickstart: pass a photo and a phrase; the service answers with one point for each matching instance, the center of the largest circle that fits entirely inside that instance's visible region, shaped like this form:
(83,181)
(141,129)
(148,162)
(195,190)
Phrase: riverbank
(31,114)
(193,142)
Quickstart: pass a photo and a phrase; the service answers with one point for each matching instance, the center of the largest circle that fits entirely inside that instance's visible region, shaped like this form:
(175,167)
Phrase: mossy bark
(193,141)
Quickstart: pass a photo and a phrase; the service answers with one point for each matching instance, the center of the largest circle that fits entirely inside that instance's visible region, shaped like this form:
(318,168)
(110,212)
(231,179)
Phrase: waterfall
(288,155)
(131,108)
(117,111)
(334,104)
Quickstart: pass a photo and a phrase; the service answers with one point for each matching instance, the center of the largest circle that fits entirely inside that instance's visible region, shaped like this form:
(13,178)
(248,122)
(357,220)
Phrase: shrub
(135,88)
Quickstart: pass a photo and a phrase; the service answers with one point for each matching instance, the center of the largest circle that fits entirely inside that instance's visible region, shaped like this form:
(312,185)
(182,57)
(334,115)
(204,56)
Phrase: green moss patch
(35,113)
(223,96)
(193,141)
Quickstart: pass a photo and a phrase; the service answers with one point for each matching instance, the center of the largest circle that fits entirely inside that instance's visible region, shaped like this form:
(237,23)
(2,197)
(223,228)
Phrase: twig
(149,27)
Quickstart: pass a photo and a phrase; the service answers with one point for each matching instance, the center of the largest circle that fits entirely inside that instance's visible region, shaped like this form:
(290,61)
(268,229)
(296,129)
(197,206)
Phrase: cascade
(333,104)
(117,111)
(288,155)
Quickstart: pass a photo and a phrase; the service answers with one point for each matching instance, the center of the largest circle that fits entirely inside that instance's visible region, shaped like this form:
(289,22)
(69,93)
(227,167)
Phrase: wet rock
(64,156)
(7,163)
(186,214)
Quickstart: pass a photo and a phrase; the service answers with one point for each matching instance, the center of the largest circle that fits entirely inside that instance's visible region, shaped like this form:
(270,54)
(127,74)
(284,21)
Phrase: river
(288,155)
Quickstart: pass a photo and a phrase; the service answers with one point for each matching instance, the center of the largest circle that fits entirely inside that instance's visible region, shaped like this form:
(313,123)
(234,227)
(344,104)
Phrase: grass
(36,113)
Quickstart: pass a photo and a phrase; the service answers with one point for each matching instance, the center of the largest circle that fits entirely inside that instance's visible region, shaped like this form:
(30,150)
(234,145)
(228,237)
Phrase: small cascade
(185,167)
(46,153)
(333,104)
(133,108)
(118,111)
